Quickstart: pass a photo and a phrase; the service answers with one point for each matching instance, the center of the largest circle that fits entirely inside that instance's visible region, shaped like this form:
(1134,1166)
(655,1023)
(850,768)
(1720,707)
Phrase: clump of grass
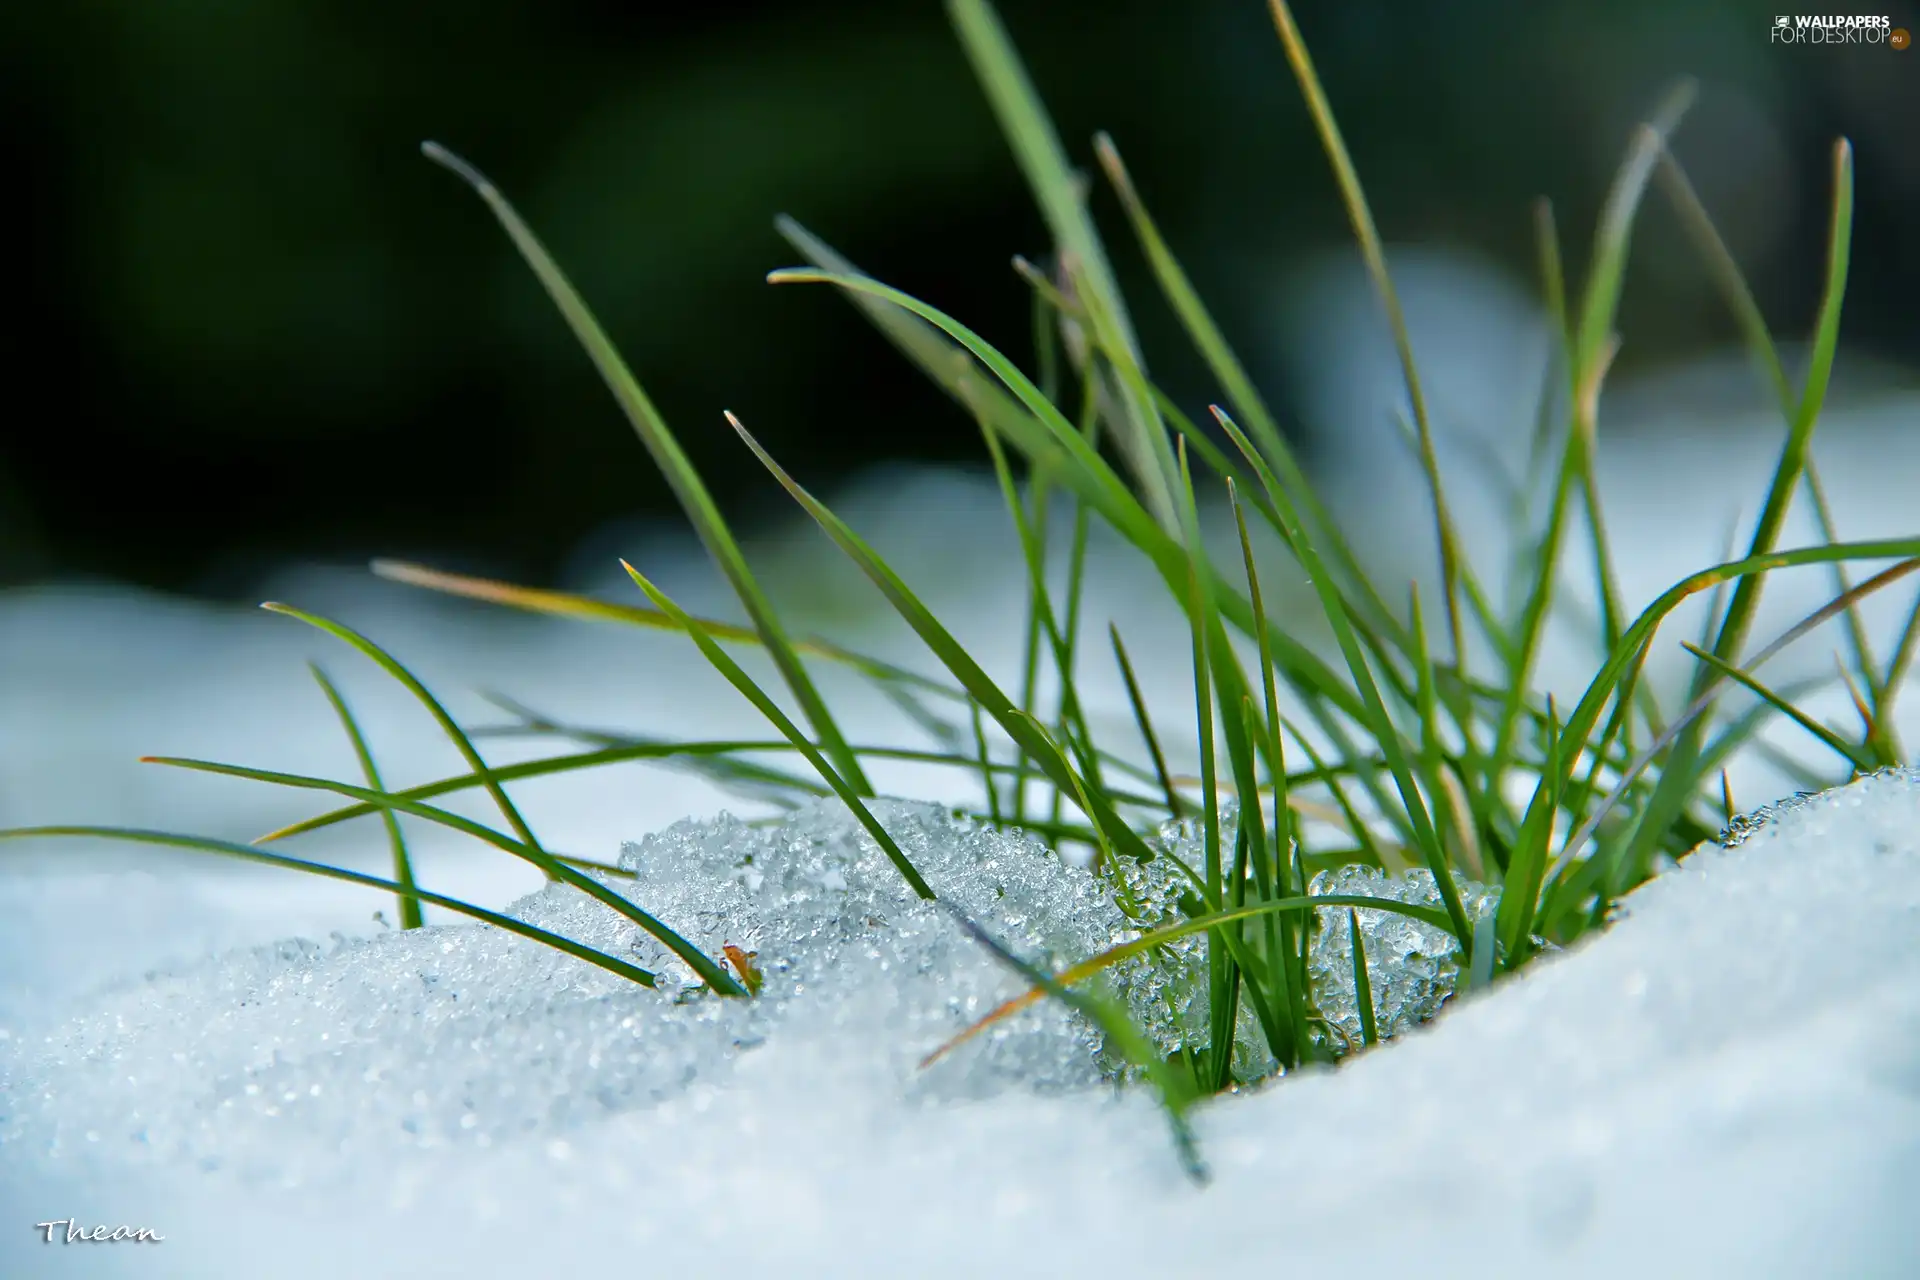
(1402,752)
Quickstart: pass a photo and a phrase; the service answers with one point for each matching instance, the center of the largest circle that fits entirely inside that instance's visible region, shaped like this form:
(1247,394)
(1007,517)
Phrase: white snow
(1725,1082)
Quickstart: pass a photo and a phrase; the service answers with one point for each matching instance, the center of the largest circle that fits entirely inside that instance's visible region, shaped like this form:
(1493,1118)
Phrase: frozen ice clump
(840,939)
(1169,996)
(1411,967)
(285,1062)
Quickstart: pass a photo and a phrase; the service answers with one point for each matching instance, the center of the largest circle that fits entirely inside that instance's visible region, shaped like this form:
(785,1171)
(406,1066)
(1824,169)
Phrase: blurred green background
(253,324)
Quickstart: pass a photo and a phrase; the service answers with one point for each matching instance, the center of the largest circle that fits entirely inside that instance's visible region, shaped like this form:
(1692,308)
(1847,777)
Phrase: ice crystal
(1411,967)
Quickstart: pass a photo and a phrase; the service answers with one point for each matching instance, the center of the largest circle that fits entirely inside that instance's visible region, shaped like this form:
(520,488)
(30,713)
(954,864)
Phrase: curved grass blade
(1092,479)
(407,680)
(567,605)
(623,749)
(409,904)
(623,754)
(667,456)
(1022,729)
(1859,757)
(1528,867)
(1076,974)
(1175,1096)
(951,753)
(938,356)
(247,853)
(1677,782)
(1718,751)
(556,869)
(767,707)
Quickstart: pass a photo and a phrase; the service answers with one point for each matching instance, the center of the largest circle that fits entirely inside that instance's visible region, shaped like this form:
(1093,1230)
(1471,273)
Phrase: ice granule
(1412,967)
(285,1062)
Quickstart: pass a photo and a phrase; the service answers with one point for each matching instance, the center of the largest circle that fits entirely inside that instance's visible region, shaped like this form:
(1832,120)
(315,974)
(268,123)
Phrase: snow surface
(1726,1082)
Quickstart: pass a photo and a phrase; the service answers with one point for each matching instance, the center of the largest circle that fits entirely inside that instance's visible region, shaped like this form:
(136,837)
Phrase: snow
(1725,1082)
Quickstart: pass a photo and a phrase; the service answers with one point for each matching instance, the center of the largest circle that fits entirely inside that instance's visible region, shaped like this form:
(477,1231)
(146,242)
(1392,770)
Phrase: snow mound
(1726,1082)
(291,1062)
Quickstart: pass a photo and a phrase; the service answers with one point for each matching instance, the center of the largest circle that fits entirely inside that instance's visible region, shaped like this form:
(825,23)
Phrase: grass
(1413,756)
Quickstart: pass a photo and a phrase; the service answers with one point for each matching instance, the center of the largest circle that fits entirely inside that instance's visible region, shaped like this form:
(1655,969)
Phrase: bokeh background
(254,326)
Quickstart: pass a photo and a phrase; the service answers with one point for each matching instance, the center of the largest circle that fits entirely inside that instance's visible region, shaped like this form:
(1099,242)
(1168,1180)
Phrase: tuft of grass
(1416,757)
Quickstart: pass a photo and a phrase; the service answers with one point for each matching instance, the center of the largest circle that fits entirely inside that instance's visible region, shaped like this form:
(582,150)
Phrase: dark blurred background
(252,324)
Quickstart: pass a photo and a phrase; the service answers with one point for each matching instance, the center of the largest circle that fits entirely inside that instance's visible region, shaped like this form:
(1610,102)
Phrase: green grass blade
(1222,976)
(1059,193)
(1022,729)
(1766,358)
(955,754)
(556,868)
(1276,877)
(1858,757)
(1675,783)
(1589,349)
(1518,901)
(409,902)
(1090,477)
(1227,370)
(767,707)
(1479,975)
(1718,751)
(1371,250)
(564,604)
(1118,1029)
(944,362)
(622,754)
(411,683)
(1378,720)
(1176,808)
(247,853)
(1362,984)
(1793,457)
(667,456)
